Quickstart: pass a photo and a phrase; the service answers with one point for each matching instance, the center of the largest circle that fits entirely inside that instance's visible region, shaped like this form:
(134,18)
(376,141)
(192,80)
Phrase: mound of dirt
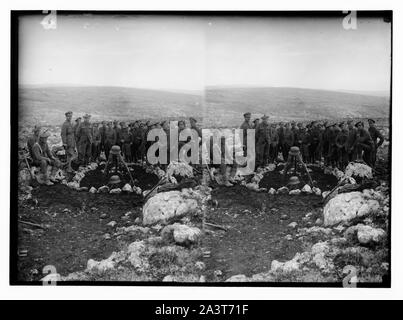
(141,178)
(274,179)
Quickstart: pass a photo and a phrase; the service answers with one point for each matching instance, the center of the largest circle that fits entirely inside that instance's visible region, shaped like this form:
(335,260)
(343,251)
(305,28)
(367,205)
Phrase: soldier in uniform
(102,131)
(84,135)
(33,139)
(315,141)
(246,125)
(280,133)
(273,152)
(364,144)
(263,142)
(288,140)
(137,137)
(68,139)
(375,135)
(76,125)
(126,140)
(96,142)
(342,146)
(110,138)
(351,141)
(42,157)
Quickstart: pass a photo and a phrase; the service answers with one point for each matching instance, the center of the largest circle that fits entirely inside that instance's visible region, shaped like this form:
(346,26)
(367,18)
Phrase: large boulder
(347,206)
(166,205)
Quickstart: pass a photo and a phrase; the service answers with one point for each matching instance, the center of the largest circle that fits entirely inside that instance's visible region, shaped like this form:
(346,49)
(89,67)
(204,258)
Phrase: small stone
(202,279)
(103,216)
(293,225)
(137,220)
(93,190)
(115,191)
(127,188)
(306,189)
(200,265)
(316,191)
(288,237)
(295,192)
(218,273)
(284,217)
(103,189)
(318,221)
(111,224)
(272,191)
(107,236)
(283,190)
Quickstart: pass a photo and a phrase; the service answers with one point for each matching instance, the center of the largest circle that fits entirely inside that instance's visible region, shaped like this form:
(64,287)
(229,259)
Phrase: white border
(180,293)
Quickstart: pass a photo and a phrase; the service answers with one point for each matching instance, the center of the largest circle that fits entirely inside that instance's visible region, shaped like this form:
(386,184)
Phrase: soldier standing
(342,146)
(315,141)
(273,153)
(288,140)
(364,144)
(126,140)
(68,139)
(280,133)
(245,126)
(351,141)
(76,125)
(110,138)
(263,142)
(102,131)
(96,142)
(84,135)
(375,135)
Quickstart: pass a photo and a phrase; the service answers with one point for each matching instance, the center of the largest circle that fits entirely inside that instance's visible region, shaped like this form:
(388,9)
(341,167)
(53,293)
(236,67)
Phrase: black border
(387,15)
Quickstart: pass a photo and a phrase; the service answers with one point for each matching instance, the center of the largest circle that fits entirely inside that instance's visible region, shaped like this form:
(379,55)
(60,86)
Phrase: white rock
(306,189)
(293,225)
(282,190)
(355,169)
(166,205)
(127,188)
(115,191)
(135,251)
(73,185)
(365,234)
(272,191)
(93,190)
(137,190)
(347,206)
(103,189)
(181,234)
(252,186)
(316,191)
(111,224)
(295,192)
(325,194)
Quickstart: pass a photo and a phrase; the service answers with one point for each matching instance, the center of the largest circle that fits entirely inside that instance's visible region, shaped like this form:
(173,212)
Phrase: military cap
(294,180)
(79,118)
(114,179)
(68,112)
(192,119)
(115,149)
(294,151)
(44,134)
(257,119)
(265,117)
(359,122)
(86,116)
(247,114)
(371,121)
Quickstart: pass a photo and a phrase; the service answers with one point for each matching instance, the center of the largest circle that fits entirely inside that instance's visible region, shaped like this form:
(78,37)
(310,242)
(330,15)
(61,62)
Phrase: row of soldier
(336,143)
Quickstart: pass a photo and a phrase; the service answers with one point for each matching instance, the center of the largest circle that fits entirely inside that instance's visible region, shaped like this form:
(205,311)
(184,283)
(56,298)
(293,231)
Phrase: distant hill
(48,104)
(227,104)
(219,106)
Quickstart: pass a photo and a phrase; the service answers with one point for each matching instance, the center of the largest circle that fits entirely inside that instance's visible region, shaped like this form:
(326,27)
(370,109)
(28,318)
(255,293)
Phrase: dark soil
(77,223)
(256,234)
(274,179)
(141,178)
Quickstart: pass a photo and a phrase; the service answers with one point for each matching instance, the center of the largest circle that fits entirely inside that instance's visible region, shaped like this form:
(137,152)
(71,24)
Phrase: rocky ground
(256,231)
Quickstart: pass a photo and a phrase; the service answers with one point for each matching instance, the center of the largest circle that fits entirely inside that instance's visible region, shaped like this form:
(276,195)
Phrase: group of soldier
(336,143)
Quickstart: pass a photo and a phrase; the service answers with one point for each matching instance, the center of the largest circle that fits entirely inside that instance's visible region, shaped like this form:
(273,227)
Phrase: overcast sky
(188,53)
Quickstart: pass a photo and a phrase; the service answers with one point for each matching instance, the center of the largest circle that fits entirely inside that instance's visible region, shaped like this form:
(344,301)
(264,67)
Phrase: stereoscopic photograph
(201,148)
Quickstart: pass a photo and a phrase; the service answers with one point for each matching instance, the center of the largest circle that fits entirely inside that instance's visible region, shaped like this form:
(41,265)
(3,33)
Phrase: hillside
(220,106)
(228,104)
